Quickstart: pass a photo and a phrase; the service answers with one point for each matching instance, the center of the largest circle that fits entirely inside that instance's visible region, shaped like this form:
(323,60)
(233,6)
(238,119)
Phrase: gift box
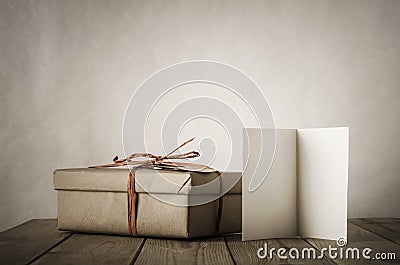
(96,200)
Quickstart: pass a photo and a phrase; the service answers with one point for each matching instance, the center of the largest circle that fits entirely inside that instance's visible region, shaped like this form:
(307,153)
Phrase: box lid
(156,181)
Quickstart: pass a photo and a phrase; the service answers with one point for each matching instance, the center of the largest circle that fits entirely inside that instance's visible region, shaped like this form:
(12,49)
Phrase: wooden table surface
(39,242)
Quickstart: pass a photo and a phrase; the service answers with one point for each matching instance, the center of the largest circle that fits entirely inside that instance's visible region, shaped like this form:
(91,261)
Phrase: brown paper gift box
(95,201)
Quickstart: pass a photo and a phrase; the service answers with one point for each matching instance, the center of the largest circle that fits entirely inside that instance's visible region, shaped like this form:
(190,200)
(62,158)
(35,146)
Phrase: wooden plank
(388,228)
(360,238)
(165,251)
(94,249)
(246,252)
(26,242)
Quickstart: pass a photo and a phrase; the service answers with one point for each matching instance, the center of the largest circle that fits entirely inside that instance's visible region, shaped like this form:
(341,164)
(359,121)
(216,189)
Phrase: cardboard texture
(95,201)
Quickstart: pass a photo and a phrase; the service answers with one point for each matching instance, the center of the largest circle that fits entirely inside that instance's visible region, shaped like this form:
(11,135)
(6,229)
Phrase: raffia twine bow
(162,162)
(159,162)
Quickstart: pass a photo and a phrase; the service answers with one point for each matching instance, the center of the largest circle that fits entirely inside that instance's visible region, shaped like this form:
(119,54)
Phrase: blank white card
(305,191)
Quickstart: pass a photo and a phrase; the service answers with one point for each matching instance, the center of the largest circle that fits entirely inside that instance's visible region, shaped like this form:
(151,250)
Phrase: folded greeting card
(305,190)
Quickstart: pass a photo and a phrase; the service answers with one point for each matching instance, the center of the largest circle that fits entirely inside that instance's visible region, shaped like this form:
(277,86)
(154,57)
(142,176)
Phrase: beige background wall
(68,68)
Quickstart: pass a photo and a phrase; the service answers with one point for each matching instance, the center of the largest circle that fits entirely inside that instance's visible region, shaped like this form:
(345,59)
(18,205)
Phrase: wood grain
(207,251)
(388,228)
(360,238)
(94,249)
(28,241)
(246,252)
(39,242)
